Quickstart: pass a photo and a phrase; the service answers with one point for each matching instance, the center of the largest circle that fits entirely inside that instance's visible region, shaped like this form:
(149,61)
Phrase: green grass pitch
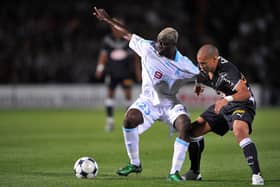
(39,148)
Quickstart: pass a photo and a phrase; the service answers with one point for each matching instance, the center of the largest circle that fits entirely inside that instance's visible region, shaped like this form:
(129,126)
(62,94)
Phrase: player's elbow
(243,92)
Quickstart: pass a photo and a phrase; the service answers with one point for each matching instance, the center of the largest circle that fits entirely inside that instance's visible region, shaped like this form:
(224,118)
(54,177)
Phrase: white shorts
(165,112)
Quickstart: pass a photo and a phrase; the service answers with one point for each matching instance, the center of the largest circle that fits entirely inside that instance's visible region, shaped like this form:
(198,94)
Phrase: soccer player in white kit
(164,71)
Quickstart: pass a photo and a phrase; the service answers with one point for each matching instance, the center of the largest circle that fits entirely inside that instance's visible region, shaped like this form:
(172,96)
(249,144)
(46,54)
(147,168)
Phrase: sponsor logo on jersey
(223,76)
(239,113)
(158,75)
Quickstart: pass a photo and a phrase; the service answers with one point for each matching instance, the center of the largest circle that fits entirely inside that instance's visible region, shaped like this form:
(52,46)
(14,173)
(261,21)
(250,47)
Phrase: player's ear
(216,58)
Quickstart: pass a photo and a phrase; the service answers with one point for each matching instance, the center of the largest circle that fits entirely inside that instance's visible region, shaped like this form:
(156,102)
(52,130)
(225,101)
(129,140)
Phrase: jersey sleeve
(139,45)
(231,77)
(191,68)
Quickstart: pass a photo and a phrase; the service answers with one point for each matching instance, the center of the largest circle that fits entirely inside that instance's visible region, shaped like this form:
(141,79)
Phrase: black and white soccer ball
(85,167)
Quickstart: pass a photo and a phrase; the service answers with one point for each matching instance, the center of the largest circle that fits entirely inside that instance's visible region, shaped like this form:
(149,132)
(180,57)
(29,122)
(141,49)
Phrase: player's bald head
(207,51)
(208,58)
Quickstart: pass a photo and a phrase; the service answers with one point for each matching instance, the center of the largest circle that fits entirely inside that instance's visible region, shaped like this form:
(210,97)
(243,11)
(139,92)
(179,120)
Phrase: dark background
(57,42)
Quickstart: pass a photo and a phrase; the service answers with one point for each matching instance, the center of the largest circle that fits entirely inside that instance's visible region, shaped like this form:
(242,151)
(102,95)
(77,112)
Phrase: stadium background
(54,43)
(48,48)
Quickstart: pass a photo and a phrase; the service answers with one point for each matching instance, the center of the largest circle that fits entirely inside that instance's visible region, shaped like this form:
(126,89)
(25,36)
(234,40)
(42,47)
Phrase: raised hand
(219,105)
(101,14)
(198,89)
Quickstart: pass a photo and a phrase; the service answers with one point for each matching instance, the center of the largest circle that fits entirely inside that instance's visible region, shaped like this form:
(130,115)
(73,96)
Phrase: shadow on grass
(140,178)
(130,177)
(99,177)
(49,174)
(269,181)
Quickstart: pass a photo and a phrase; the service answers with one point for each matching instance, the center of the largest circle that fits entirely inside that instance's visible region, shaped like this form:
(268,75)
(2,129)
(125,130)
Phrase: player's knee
(240,130)
(240,134)
(183,125)
(180,122)
(199,128)
(133,118)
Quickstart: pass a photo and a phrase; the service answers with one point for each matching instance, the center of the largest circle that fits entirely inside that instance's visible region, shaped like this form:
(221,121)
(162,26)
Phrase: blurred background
(54,42)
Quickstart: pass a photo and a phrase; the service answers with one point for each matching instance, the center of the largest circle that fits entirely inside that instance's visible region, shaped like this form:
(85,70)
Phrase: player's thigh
(149,112)
(126,85)
(173,113)
(127,93)
(133,118)
(217,122)
(240,130)
(200,127)
(245,115)
(111,82)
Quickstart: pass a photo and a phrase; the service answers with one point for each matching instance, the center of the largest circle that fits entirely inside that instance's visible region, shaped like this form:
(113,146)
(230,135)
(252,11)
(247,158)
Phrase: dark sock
(109,111)
(251,155)
(195,151)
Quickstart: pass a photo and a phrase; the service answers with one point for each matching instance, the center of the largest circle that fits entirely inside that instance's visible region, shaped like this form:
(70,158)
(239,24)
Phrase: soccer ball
(85,167)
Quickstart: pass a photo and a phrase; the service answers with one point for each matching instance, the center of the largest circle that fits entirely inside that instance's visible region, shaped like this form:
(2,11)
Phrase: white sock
(131,139)
(110,120)
(179,155)
(246,141)
(109,102)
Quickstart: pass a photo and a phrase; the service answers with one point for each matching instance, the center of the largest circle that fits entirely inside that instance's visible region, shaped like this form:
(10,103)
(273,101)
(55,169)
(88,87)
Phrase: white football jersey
(161,77)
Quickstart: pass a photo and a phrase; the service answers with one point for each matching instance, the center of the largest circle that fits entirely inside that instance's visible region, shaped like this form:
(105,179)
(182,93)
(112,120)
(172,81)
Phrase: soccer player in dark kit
(235,111)
(120,65)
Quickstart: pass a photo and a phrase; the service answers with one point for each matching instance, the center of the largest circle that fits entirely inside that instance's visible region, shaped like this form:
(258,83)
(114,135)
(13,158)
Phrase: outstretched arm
(102,15)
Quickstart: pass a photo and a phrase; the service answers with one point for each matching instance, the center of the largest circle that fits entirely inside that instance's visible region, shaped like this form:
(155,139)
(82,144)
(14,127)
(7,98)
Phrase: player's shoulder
(185,63)
(180,58)
(140,39)
(226,65)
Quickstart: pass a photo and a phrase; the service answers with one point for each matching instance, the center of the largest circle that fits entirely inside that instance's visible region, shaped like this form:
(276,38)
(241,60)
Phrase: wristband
(229,98)
(100,67)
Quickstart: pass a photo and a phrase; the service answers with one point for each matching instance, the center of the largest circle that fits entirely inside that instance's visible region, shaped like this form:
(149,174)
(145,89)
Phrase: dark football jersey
(224,81)
(120,57)
(225,78)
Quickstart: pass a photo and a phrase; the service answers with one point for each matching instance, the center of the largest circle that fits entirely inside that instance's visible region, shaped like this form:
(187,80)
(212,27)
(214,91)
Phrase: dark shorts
(113,82)
(221,123)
